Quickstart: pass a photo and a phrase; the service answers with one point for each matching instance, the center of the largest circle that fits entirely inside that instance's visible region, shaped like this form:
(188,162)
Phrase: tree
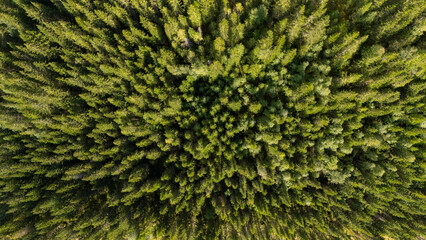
(216,119)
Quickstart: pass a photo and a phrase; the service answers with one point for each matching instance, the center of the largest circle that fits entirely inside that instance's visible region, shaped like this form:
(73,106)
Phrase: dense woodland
(212,119)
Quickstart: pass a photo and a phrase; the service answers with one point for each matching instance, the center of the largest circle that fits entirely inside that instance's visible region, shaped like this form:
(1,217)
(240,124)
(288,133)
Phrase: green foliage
(213,119)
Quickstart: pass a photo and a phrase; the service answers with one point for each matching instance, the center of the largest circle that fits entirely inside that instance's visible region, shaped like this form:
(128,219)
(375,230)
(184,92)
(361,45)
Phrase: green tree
(215,119)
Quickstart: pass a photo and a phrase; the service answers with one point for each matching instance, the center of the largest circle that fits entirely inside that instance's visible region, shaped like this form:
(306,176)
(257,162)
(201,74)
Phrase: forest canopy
(212,119)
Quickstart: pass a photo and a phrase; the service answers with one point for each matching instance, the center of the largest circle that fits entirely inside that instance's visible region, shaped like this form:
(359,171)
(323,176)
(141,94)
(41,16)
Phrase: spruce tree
(212,119)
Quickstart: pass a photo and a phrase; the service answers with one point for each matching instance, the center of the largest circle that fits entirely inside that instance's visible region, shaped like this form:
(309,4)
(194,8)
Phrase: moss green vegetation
(212,119)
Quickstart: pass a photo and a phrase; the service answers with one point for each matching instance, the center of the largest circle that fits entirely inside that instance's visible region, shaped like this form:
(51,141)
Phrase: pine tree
(215,119)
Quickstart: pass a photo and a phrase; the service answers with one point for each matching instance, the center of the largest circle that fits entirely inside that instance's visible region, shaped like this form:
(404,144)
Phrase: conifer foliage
(212,119)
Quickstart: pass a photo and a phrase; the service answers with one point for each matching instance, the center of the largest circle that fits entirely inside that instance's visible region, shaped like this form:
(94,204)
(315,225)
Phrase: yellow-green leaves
(255,108)
(280,8)
(296,24)
(211,119)
(194,15)
(346,48)
(224,29)
(219,45)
